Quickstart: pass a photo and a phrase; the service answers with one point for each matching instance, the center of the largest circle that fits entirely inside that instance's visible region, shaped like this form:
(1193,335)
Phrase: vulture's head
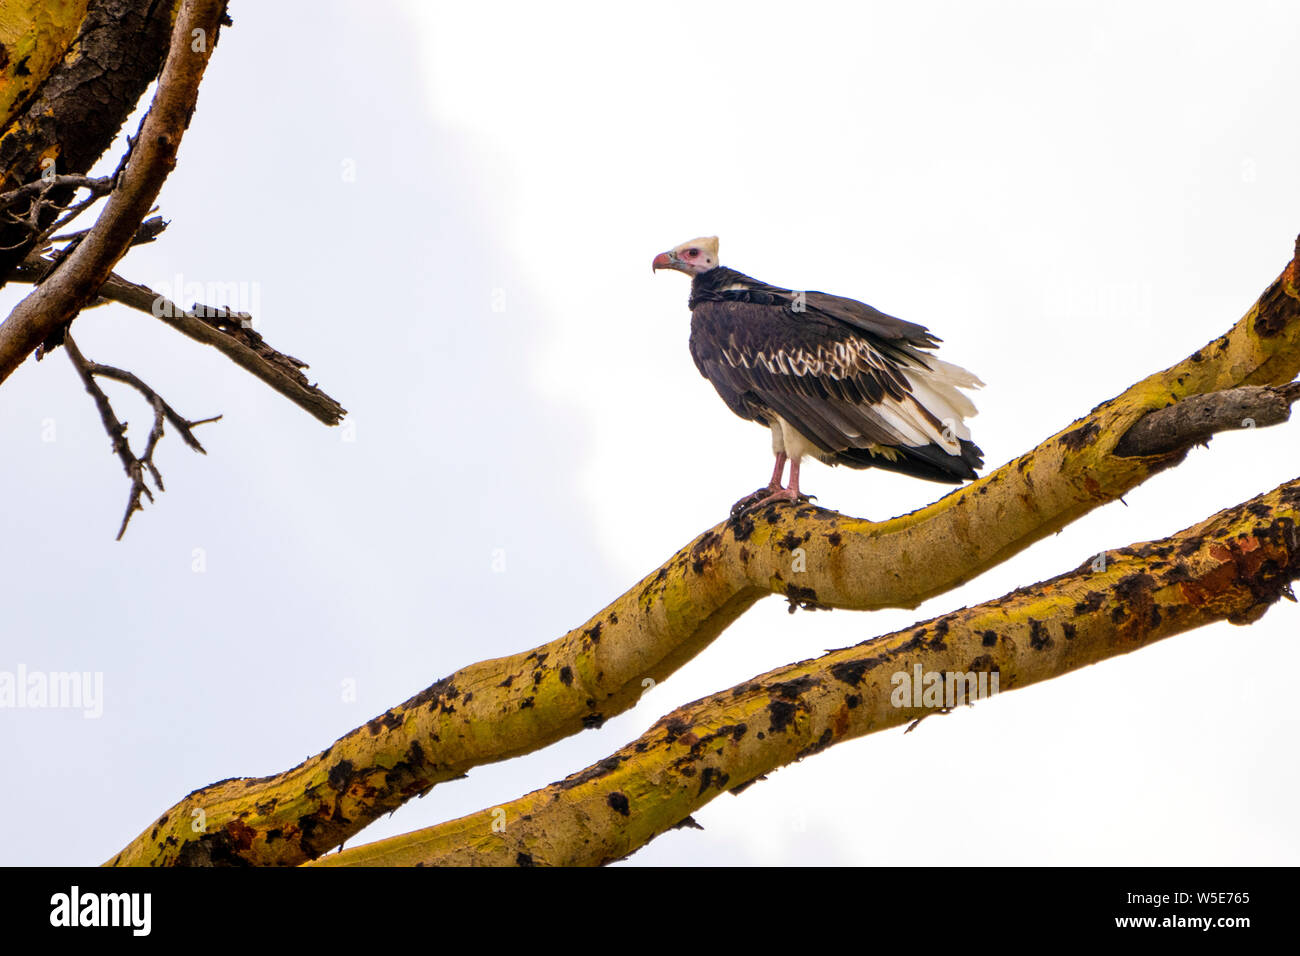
(694,257)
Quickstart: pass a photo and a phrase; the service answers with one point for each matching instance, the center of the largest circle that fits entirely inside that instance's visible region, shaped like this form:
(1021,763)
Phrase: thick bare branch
(1232,566)
(62,295)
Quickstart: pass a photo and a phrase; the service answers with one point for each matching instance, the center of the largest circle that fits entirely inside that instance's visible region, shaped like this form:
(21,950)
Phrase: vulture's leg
(769,495)
(770,488)
(775,483)
(794,484)
(786,494)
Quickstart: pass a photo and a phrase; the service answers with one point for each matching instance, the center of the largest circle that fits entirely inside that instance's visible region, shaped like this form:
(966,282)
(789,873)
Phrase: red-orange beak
(665,260)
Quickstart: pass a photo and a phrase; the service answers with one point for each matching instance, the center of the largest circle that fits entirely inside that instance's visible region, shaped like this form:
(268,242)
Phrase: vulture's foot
(769,496)
(750,500)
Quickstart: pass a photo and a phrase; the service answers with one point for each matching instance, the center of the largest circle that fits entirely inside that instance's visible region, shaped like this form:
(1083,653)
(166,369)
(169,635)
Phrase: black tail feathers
(929,462)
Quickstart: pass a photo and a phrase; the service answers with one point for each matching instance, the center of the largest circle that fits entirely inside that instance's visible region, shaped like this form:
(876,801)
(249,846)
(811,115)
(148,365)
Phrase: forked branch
(134,465)
(1232,566)
(230,333)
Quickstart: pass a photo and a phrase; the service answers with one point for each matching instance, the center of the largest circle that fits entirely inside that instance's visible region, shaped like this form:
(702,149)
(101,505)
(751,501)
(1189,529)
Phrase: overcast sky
(449,211)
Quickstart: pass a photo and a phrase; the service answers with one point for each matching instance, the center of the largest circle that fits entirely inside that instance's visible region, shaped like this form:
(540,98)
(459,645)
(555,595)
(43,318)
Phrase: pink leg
(785,494)
(774,492)
(773,486)
(775,483)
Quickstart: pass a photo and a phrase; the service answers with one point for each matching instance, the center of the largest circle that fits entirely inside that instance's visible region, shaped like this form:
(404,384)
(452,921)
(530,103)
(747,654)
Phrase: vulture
(831,377)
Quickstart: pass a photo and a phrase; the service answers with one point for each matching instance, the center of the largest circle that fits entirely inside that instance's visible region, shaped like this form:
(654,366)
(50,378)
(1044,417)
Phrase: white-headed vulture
(832,377)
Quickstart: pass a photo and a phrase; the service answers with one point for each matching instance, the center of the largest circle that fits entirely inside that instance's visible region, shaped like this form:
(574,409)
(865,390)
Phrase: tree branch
(64,104)
(135,467)
(497,709)
(230,333)
(1193,420)
(62,295)
(1233,566)
(97,186)
(43,208)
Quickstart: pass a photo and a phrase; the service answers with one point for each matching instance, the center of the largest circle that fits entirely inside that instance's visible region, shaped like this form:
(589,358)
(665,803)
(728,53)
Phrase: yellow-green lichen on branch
(34,36)
(1232,566)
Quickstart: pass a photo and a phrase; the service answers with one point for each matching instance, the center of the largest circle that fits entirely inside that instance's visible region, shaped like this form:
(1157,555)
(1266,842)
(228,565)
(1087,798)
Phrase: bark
(1193,421)
(76,71)
(34,35)
(497,709)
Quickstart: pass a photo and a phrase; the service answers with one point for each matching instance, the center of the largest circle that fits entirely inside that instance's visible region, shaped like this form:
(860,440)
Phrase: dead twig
(39,187)
(135,466)
(38,191)
(230,333)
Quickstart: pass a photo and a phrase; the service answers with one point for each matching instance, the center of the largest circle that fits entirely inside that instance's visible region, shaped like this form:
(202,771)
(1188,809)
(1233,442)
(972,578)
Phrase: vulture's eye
(692,252)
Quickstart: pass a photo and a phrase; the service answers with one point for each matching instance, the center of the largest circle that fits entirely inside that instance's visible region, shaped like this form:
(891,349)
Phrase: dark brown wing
(723,284)
(864,317)
(847,390)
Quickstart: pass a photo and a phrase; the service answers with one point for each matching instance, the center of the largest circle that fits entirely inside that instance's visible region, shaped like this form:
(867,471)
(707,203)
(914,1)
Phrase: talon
(781,494)
(749,501)
(773,492)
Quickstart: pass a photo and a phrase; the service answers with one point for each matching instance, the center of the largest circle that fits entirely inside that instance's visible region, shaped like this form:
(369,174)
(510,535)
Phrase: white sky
(1071,195)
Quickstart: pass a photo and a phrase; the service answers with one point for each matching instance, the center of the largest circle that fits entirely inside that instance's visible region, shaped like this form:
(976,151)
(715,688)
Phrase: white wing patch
(936,390)
(933,385)
(843,360)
